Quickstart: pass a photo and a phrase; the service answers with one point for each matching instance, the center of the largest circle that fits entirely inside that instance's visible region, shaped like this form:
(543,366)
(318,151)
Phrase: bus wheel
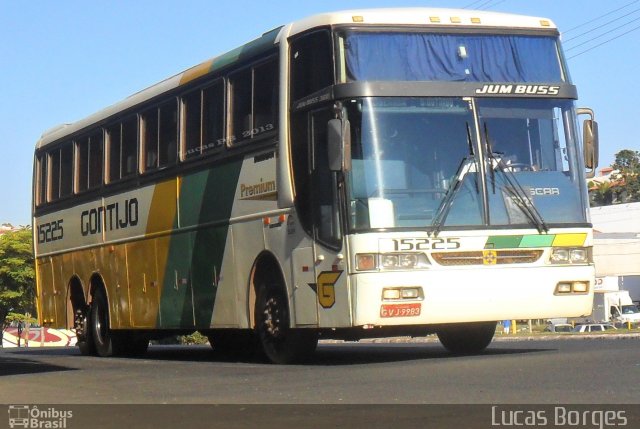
(83,331)
(467,338)
(104,339)
(280,343)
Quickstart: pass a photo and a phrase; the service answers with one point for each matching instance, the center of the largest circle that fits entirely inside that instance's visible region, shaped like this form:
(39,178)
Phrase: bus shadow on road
(336,354)
(11,365)
(341,354)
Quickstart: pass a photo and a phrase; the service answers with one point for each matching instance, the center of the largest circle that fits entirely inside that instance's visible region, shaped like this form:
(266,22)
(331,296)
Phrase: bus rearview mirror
(339,144)
(590,141)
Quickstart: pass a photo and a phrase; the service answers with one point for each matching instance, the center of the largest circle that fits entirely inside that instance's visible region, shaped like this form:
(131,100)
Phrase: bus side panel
(111,265)
(176,308)
(227,297)
(143,282)
(63,271)
(193,259)
(208,286)
(46,288)
(248,242)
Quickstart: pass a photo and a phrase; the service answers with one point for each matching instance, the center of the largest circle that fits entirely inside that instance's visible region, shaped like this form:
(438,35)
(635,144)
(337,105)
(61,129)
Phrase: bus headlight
(572,287)
(391,261)
(569,255)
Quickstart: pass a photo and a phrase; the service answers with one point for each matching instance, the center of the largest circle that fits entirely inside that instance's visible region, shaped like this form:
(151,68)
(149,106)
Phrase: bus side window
(213,116)
(168,134)
(41,192)
(254,101)
(192,119)
(123,149)
(66,170)
(129,147)
(89,167)
(311,64)
(241,119)
(114,139)
(149,140)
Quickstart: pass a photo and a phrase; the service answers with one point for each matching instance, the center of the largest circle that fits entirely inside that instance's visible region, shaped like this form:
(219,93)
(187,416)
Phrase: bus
(369,173)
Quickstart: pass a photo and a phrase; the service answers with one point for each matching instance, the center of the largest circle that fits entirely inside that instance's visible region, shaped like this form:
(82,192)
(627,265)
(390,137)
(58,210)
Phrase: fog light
(391,294)
(580,287)
(410,293)
(563,288)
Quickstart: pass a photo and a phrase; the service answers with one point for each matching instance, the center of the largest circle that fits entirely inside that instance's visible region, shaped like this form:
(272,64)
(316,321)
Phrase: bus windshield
(416,163)
(419,56)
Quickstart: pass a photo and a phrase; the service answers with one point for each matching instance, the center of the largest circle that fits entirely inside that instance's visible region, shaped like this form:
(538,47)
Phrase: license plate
(400,310)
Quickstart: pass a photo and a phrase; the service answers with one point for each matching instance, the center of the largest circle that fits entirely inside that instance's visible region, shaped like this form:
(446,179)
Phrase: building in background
(616,248)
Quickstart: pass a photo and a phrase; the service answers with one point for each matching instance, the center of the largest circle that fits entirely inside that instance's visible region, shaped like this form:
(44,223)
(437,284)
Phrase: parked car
(594,327)
(559,327)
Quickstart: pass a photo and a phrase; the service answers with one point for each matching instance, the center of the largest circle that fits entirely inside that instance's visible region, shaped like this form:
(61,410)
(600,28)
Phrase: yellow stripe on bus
(196,72)
(567,240)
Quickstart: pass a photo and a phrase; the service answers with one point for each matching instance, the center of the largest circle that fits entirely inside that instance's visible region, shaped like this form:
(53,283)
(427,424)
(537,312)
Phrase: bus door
(331,279)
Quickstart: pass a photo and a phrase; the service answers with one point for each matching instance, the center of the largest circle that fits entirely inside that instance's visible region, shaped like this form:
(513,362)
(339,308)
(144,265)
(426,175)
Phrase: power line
(603,25)
(599,17)
(474,3)
(601,35)
(493,5)
(606,41)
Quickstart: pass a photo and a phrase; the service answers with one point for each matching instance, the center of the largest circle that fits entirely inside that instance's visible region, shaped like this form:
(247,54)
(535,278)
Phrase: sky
(61,61)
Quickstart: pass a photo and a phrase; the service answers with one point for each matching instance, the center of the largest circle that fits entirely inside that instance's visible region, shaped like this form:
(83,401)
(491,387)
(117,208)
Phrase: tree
(17,276)
(603,195)
(628,164)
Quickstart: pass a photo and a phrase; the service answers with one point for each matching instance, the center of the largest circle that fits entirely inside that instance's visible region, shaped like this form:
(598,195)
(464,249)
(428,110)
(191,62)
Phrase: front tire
(467,338)
(280,343)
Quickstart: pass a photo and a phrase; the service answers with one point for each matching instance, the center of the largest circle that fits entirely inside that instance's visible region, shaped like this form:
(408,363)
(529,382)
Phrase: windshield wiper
(461,172)
(515,188)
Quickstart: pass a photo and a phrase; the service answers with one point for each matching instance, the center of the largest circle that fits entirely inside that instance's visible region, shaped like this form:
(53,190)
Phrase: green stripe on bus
(519,241)
(195,257)
(503,241)
(537,240)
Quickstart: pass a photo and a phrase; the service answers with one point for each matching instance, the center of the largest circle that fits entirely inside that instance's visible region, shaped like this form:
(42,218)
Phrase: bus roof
(430,17)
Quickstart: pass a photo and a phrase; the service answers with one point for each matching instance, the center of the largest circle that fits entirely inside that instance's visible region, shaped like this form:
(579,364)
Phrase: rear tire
(83,332)
(280,343)
(467,338)
(106,342)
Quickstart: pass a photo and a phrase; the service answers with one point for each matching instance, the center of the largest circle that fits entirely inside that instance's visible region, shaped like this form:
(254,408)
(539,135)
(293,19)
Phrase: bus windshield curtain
(446,57)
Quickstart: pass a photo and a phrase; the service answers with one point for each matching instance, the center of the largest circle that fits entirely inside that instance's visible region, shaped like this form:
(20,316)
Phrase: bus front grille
(490,257)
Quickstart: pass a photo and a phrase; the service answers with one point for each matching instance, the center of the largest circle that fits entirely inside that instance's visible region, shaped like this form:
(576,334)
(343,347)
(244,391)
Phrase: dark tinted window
(254,101)
(41,192)
(123,148)
(192,111)
(168,134)
(129,147)
(241,88)
(89,173)
(149,140)
(311,64)
(213,117)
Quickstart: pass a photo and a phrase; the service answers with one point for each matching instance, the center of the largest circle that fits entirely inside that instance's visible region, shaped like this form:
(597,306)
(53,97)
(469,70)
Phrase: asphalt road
(593,371)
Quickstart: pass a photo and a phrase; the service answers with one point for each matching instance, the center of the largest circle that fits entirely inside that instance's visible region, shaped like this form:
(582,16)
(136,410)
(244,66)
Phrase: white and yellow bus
(354,174)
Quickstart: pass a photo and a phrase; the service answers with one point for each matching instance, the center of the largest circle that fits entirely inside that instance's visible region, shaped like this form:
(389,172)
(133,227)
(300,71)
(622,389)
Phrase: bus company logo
(26,416)
(259,191)
(489,257)
(518,89)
